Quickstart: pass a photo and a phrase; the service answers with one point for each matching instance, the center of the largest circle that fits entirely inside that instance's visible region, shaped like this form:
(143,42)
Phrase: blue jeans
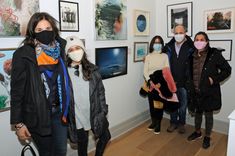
(56,143)
(179,116)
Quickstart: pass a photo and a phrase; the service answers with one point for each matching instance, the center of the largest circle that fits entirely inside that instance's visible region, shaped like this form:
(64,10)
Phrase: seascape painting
(112,61)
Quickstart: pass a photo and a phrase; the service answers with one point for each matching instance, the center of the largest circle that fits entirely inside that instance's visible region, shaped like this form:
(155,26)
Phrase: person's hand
(211,80)
(23,133)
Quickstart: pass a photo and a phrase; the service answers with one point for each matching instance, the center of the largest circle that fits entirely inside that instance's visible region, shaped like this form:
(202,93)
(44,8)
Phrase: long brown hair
(34,20)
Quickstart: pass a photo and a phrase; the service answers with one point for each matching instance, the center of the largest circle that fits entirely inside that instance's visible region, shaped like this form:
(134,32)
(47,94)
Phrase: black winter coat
(209,96)
(179,65)
(28,99)
(98,106)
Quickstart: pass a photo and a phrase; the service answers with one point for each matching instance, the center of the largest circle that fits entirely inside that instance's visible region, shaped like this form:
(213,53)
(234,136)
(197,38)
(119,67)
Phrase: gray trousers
(208,123)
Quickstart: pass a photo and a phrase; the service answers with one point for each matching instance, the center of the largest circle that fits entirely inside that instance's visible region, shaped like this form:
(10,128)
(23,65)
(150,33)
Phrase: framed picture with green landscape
(5,77)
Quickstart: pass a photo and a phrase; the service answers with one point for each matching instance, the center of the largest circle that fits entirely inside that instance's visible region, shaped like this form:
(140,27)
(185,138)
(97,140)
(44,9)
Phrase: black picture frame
(69,16)
(225,46)
(180,13)
(112,61)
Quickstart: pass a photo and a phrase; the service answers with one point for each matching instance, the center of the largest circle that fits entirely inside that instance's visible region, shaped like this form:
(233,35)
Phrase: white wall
(121,92)
(199,6)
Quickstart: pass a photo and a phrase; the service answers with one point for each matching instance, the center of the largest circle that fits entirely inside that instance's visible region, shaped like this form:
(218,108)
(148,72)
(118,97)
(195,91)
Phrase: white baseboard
(218,126)
(117,130)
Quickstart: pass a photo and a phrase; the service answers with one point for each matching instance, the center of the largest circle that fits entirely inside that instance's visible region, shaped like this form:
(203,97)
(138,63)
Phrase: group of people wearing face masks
(197,70)
(51,103)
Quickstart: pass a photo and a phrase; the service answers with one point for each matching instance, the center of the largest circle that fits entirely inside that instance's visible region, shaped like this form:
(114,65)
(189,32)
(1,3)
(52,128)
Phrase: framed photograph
(219,21)
(68,16)
(112,61)
(141,23)
(225,46)
(140,51)
(14,16)
(5,77)
(110,20)
(179,14)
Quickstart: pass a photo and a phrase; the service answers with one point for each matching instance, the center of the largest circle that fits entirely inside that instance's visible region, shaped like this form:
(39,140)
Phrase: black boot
(82,142)
(157,127)
(152,125)
(102,142)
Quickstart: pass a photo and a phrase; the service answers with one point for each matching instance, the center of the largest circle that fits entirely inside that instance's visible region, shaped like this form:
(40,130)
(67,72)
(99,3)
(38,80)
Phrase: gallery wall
(198,22)
(121,92)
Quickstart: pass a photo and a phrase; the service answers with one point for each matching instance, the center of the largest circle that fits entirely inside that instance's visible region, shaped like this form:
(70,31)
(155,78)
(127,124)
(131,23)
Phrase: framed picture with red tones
(219,21)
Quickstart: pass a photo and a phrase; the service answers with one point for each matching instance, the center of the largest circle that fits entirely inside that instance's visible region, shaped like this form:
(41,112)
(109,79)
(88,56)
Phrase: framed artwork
(112,61)
(140,51)
(5,77)
(15,15)
(68,16)
(219,21)
(179,14)
(110,20)
(225,46)
(141,23)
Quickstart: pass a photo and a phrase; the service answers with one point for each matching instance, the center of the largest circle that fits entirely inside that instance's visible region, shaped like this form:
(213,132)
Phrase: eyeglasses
(76,72)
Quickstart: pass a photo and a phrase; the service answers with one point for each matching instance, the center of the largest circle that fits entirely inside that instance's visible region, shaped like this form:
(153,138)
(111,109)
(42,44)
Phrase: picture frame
(141,23)
(69,16)
(112,61)
(110,20)
(225,46)
(180,14)
(5,77)
(140,51)
(219,20)
(14,16)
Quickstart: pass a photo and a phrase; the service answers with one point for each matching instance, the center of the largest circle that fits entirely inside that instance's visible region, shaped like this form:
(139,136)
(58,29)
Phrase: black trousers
(208,123)
(83,142)
(156,114)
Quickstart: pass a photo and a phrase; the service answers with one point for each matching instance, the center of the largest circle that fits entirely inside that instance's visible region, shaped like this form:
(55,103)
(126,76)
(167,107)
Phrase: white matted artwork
(219,20)
(140,51)
(225,46)
(69,16)
(179,14)
(141,23)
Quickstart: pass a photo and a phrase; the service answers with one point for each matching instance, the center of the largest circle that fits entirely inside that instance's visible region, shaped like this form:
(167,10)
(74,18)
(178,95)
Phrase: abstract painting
(110,20)
(14,16)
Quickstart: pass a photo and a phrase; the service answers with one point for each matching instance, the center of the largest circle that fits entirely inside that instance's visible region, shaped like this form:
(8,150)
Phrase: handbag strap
(28,147)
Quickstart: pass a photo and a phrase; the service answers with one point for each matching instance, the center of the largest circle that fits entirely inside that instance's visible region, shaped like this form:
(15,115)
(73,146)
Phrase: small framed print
(219,21)
(225,46)
(5,77)
(68,16)
(140,51)
(141,23)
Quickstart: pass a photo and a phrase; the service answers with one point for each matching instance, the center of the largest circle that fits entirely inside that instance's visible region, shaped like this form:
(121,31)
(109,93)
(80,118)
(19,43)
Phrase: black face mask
(45,37)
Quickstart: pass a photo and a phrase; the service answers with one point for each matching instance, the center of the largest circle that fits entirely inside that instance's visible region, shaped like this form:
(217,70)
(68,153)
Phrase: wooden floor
(141,142)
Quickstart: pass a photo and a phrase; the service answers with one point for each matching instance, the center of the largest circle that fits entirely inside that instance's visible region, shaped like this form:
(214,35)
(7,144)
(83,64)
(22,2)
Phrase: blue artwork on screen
(111,61)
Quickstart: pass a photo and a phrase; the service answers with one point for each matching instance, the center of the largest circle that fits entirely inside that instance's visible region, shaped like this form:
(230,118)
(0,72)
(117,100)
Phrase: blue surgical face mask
(157,47)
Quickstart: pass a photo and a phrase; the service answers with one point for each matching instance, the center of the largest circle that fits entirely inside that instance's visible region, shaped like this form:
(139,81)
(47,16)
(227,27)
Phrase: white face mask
(179,37)
(76,55)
